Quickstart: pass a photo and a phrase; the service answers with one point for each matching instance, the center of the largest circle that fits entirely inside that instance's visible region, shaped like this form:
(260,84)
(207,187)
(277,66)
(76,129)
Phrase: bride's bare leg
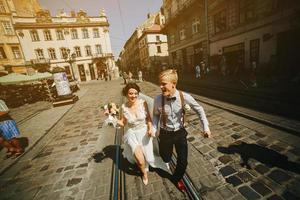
(140,160)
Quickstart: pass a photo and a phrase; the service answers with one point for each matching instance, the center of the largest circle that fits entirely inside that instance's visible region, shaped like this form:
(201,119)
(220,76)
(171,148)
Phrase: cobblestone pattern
(243,160)
(65,167)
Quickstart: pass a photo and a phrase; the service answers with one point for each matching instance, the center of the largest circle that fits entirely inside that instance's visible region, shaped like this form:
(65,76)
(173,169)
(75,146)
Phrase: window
(158,49)
(88,50)
(85,33)
(8,30)
(52,54)
(2,53)
(2,8)
(74,34)
(247,10)
(96,33)
(98,49)
(220,21)
(47,35)
(63,52)
(16,52)
(34,36)
(60,35)
(182,34)
(39,54)
(77,51)
(157,38)
(195,26)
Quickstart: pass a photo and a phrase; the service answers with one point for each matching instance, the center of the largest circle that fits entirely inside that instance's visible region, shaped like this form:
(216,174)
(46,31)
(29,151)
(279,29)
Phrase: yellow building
(11,54)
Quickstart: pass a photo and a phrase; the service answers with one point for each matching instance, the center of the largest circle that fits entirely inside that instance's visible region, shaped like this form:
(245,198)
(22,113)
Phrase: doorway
(81,72)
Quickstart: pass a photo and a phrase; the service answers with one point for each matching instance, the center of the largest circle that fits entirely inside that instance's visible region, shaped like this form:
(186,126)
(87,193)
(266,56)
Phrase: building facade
(185,29)
(146,49)
(78,43)
(242,30)
(11,54)
(153,49)
(250,30)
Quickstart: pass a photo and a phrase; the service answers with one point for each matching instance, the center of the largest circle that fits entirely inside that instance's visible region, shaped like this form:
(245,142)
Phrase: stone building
(250,30)
(185,29)
(77,42)
(11,54)
(242,30)
(146,49)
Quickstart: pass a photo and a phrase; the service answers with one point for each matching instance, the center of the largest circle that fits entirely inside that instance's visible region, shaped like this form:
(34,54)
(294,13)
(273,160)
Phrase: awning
(15,78)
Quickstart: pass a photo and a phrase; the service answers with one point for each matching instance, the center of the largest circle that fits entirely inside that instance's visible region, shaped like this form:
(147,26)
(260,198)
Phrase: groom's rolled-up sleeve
(198,109)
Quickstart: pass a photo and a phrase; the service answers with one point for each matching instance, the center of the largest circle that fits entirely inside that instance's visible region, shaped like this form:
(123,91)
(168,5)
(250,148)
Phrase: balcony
(102,55)
(40,61)
(182,8)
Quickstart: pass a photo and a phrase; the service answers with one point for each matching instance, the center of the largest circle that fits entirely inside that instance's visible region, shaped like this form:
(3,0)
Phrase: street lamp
(70,58)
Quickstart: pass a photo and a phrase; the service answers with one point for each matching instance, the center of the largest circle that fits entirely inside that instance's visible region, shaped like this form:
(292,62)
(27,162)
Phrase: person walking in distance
(169,109)
(198,71)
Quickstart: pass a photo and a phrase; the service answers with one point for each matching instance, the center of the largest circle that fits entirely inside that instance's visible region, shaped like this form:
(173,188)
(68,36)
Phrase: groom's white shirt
(173,110)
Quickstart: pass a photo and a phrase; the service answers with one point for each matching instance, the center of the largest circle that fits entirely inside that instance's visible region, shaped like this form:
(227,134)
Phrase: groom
(169,109)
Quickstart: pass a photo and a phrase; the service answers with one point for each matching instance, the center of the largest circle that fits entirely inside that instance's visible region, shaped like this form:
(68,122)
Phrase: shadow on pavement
(264,155)
(110,152)
(24,142)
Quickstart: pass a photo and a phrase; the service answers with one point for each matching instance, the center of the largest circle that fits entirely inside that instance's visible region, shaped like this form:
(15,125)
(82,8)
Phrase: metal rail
(191,190)
(117,176)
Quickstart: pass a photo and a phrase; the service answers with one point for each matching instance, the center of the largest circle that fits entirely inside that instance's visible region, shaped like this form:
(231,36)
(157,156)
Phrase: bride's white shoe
(145,180)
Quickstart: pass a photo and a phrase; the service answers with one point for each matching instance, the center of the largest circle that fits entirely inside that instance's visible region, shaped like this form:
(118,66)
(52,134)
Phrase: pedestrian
(204,68)
(223,65)
(198,71)
(105,75)
(9,132)
(169,109)
(110,75)
(140,75)
(130,76)
(252,76)
(138,140)
(125,77)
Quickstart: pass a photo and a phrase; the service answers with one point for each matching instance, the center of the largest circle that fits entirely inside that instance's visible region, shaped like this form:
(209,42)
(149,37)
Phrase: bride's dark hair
(128,87)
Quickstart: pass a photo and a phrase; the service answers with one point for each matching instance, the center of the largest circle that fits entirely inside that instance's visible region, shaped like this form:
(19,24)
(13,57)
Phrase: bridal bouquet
(111,110)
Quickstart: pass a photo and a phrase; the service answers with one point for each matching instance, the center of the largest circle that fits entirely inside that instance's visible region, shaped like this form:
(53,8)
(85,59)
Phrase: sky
(122,21)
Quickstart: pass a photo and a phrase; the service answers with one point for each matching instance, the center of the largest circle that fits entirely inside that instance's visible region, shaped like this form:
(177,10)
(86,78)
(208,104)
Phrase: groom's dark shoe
(180,185)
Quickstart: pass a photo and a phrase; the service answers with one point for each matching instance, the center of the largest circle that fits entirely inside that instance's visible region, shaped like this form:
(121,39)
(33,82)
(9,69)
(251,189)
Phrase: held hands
(150,132)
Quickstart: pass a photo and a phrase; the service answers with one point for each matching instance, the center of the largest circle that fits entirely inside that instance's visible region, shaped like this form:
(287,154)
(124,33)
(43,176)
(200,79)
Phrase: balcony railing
(40,61)
(102,55)
(180,8)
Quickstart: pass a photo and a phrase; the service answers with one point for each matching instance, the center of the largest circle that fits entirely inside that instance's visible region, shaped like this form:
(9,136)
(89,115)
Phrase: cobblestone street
(243,160)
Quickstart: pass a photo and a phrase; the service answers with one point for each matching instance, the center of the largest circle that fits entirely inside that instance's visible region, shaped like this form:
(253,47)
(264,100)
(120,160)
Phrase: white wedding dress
(136,135)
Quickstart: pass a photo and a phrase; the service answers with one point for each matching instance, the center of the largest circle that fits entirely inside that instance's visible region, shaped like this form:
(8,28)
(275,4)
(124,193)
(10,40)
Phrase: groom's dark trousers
(168,139)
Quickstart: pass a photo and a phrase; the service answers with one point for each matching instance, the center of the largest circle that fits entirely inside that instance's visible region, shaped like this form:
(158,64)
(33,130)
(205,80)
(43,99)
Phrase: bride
(138,144)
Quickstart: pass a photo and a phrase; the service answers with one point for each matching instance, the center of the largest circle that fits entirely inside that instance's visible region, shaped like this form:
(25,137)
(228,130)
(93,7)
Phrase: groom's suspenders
(163,114)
